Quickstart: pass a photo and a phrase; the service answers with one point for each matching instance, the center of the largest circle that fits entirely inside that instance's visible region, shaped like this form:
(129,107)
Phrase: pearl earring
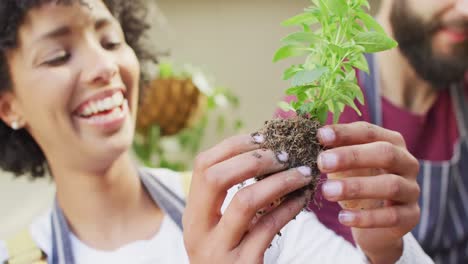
(15,125)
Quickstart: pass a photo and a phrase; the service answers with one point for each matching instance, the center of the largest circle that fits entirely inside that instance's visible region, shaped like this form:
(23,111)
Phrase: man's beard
(414,37)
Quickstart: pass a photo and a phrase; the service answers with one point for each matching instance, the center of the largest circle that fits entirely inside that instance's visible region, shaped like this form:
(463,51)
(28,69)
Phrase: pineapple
(172,104)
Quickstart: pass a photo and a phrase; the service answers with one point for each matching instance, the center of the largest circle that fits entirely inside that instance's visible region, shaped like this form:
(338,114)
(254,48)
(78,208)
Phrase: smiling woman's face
(75,84)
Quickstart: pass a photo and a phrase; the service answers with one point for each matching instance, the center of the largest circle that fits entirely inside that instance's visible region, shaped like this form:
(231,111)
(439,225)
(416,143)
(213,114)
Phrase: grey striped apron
(443,229)
(166,199)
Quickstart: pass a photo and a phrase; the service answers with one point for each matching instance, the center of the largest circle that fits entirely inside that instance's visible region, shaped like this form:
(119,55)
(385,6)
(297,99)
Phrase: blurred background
(232,43)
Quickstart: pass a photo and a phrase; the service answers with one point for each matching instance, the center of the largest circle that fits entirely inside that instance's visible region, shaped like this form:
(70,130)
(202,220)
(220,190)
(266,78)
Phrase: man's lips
(455,35)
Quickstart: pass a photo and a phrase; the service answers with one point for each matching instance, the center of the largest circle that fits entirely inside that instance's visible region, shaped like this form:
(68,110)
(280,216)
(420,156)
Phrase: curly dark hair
(19,152)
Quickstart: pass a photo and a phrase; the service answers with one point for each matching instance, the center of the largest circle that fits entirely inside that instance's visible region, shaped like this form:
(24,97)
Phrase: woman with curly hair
(69,86)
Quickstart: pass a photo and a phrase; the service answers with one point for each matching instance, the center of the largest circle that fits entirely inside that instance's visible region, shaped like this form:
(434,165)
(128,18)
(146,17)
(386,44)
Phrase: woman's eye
(112,45)
(58,60)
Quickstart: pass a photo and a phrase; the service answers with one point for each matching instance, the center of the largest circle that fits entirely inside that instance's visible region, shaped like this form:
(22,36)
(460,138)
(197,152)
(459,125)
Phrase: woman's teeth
(103,105)
(116,113)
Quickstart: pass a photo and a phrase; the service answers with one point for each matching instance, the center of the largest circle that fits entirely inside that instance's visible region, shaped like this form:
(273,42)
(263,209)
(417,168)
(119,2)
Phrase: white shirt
(304,240)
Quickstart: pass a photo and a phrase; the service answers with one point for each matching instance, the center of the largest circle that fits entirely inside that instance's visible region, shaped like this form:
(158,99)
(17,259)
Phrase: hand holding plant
(373,176)
(334,36)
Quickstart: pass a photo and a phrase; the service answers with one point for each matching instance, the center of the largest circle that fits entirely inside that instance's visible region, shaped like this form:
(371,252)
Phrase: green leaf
(339,7)
(361,63)
(337,50)
(358,48)
(322,114)
(350,102)
(165,70)
(296,104)
(333,107)
(238,125)
(375,42)
(299,89)
(341,106)
(370,22)
(304,18)
(291,71)
(337,110)
(211,104)
(307,77)
(358,94)
(354,90)
(324,7)
(301,37)
(312,61)
(306,108)
(365,3)
(340,75)
(348,68)
(289,51)
(301,97)
(285,106)
(350,75)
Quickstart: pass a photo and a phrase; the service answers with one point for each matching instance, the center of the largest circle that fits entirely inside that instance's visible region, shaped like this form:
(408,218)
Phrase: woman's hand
(241,234)
(373,177)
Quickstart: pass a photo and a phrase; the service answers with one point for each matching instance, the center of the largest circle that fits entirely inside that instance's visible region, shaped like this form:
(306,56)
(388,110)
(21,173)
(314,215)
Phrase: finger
(248,201)
(385,217)
(261,235)
(228,148)
(213,185)
(357,133)
(383,187)
(382,155)
(256,163)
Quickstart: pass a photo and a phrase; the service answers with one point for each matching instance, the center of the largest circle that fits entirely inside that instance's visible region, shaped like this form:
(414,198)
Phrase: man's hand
(373,177)
(240,235)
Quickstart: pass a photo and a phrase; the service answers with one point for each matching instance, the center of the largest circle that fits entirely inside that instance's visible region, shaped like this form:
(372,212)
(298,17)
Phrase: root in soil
(298,138)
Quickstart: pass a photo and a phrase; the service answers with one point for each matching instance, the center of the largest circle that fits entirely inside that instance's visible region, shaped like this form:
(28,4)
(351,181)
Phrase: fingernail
(332,189)
(346,217)
(306,171)
(327,135)
(283,156)
(258,138)
(328,161)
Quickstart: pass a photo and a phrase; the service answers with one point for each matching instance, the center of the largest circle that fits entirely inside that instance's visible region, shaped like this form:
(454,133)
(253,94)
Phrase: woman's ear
(10,111)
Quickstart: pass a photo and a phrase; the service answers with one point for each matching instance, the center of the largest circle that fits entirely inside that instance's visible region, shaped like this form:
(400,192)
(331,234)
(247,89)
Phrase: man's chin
(449,51)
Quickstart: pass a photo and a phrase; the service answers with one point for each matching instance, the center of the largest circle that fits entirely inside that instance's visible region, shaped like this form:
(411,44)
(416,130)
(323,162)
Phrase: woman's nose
(100,68)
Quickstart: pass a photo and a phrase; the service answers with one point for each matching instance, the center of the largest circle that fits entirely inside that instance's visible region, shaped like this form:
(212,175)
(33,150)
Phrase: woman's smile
(105,111)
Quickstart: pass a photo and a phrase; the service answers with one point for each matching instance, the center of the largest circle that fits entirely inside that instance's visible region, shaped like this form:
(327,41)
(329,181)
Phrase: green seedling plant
(334,36)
